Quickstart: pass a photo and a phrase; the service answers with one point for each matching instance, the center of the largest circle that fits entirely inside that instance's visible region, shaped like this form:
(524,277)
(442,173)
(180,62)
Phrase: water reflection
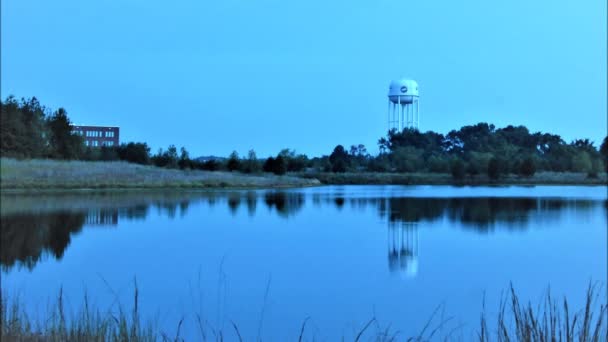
(403,248)
(37,226)
(286,204)
(101,217)
(27,238)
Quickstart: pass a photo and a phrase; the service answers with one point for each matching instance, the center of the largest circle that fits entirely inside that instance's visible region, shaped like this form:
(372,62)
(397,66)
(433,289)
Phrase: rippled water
(268,259)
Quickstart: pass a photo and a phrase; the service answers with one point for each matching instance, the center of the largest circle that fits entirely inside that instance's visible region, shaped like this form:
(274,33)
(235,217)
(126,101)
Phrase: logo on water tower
(404,89)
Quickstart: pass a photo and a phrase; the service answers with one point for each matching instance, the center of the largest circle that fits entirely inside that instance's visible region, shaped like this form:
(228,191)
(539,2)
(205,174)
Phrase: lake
(338,255)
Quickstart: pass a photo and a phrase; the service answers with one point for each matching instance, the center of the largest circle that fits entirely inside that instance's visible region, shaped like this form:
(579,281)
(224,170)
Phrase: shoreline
(386,178)
(40,175)
(203,189)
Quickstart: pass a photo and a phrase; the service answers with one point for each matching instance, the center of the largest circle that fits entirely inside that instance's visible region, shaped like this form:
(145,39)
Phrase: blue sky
(217,76)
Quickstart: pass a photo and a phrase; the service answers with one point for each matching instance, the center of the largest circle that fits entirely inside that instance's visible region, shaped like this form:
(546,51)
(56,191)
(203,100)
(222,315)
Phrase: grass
(414,178)
(551,321)
(40,174)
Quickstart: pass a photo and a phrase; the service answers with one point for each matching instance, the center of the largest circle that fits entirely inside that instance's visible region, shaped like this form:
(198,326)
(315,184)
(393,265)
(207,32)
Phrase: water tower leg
(411,119)
(418,111)
(400,115)
(389,115)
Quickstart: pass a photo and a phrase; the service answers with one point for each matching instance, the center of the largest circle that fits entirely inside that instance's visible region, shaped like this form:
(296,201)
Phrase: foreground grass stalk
(549,322)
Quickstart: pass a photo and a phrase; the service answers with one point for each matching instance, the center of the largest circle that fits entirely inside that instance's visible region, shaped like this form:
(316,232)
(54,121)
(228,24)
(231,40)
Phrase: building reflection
(102,217)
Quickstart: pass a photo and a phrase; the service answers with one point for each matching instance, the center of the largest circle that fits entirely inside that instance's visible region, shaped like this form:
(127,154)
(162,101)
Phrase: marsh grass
(88,324)
(551,321)
(420,178)
(40,174)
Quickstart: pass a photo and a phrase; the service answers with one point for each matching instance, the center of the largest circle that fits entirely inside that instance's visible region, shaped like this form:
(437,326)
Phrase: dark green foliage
(210,165)
(107,153)
(604,148)
(527,168)
(280,166)
(494,168)
(277,165)
(134,152)
(23,129)
(379,164)
(184,161)
(166,158)
(63,143)
(28,130)
(412,150)
(604,154)
(339,159)
(408,159)
(268,165)
(234,163)
(457,169)
(438,164)
(295,162)
(251,164)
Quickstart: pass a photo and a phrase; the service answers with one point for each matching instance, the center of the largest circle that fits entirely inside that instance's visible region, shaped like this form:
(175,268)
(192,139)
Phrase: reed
(39,174)
(553,321)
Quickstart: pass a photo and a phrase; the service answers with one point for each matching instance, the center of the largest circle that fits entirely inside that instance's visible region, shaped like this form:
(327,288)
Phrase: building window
(86,143)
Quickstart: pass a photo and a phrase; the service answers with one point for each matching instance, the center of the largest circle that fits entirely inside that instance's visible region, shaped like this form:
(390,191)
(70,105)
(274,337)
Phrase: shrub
(280,166)
(457,169)
(494,169)
(233,162)
(268,165)
(134,152)
(527,167)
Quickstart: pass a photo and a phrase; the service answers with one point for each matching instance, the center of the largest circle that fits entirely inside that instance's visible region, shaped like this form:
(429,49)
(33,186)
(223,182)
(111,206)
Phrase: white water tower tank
(403,91)
(403,105)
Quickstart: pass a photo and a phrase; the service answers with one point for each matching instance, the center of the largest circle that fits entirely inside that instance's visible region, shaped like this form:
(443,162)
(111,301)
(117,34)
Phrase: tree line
(30,130)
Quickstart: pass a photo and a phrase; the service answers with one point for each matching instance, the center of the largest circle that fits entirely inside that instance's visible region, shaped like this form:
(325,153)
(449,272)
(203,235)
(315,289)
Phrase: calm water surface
(340,255)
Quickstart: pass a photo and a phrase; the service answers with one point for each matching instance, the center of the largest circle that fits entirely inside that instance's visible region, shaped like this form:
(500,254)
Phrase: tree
(280,166)
(167,158)
(233,162)
(527,167)
(438,164)
(339,159)
(64,143)
(134,152)
(494,169)
(407,159)
(478,162)
(457,169)
(251,164)
(581,162)
(24,131)
(604,152)
(210,165)
(295,162)
(268,165)
(108,153)
(184,159)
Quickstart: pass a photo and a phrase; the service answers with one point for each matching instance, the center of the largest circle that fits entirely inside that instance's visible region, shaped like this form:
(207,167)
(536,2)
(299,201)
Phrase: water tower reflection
(403,216)
(403,248)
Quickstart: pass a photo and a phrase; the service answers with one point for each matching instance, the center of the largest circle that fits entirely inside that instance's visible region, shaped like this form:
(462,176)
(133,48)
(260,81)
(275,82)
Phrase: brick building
(97,136)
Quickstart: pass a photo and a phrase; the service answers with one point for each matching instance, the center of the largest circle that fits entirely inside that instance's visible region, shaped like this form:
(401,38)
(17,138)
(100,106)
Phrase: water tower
(403,108)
